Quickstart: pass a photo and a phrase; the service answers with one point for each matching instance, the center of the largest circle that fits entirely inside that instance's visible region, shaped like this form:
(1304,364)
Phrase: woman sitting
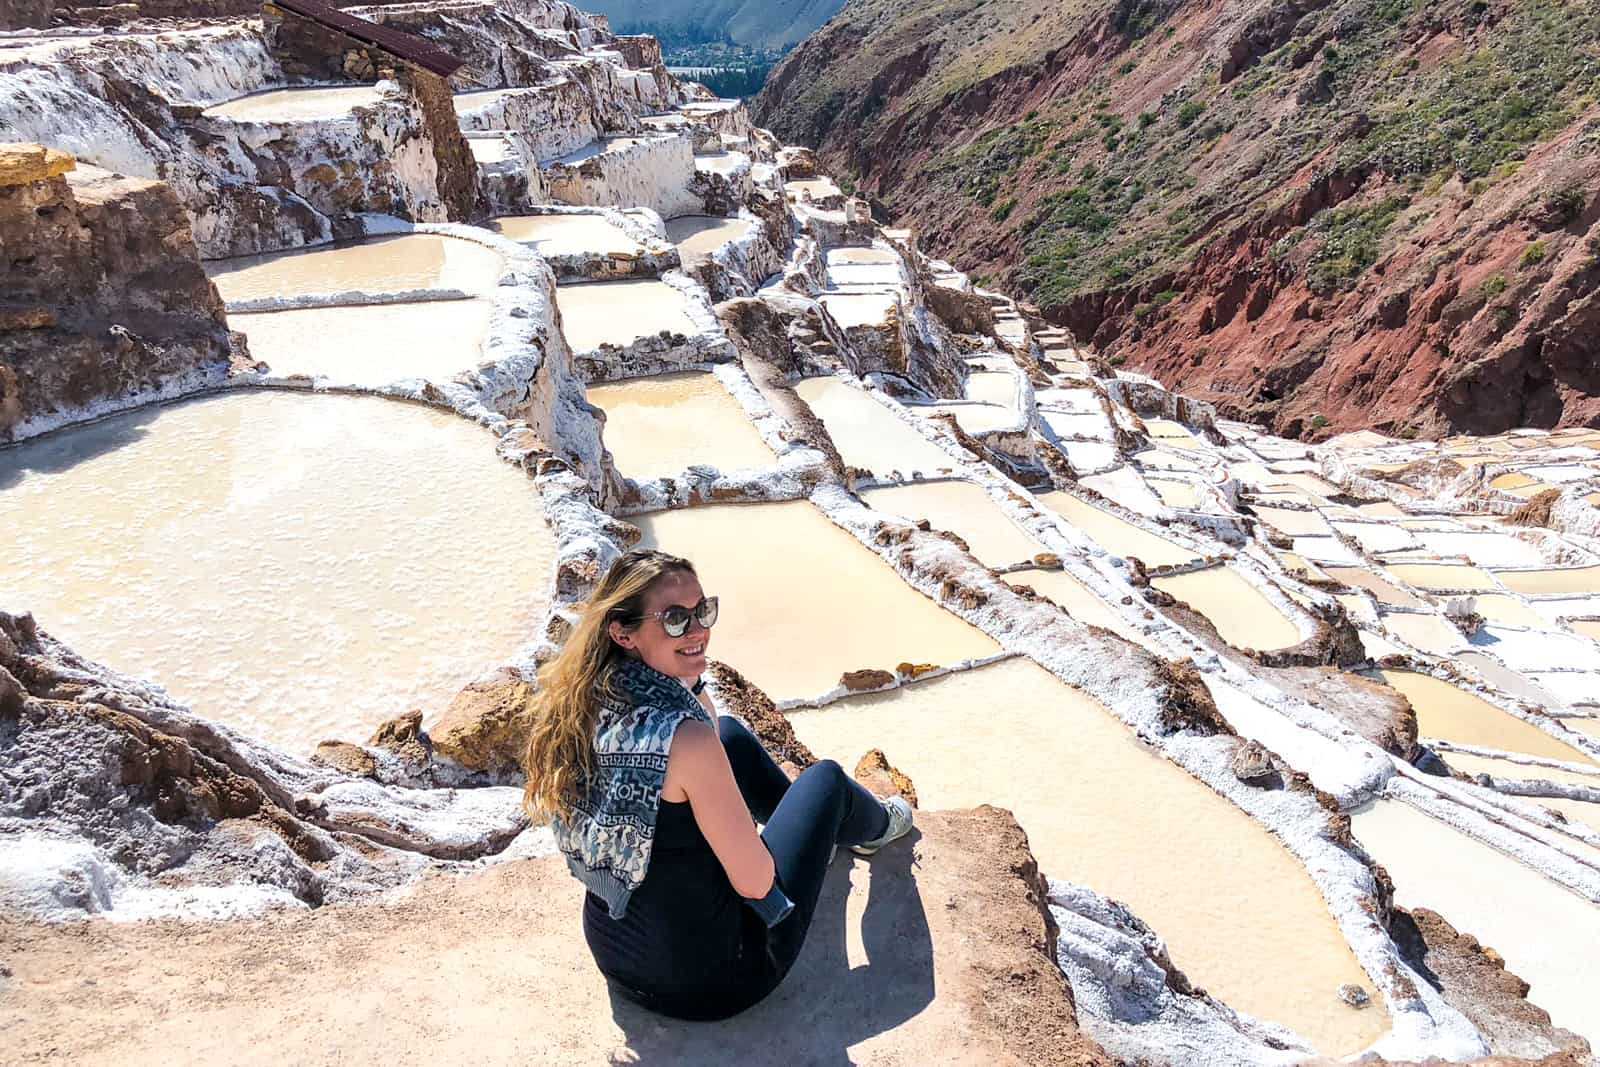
(654,799)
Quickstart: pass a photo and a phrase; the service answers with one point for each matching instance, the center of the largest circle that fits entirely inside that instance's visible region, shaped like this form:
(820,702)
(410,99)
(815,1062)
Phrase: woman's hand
(697,769)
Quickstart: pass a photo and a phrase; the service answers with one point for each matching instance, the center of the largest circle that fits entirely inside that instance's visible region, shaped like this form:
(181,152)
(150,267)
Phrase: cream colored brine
(296,105)
(300,567)
(869,435)
(1553,580)
(1103,810)
(803,602)
(658,426)
(1115,534)
(619,313)
(1444,710)
(567,235)
(412,262)
(1242,614)
(371,345)
(697,236)
(966,511)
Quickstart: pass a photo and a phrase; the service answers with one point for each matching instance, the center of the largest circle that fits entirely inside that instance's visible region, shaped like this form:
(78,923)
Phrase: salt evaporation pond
(859,309)
(1071,595)
(300,104)
(802,601)
(974,418)
(697,236)
(1385,592)
(1114,534)
(619,313)
(300,567)
(1548,936)
(867,434)
(408,263)
(1242,614)
(370,344)
(1240,915)
(966,511)
(568,234)
(1553,580)
(1450,712)
(657,426)
(1442,577)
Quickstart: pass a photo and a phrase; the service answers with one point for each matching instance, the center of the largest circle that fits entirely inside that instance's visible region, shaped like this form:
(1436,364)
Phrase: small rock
(1252,765)
(882,779)
(1354,995)
(861,681)
(915,670)
(351,759)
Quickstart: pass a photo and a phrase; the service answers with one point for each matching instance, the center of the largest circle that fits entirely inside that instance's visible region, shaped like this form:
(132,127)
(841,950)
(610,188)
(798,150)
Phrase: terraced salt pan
(1243,616)
(619,313)
(698,236)
(1429,633)
(304,104)
(1177,494)
(992,387)
(1589,628)
(1385,592)
(1071,595)
(658,426)
(1491,549)
(1293,522)
(802,601)
(1504,768)
(973,418)
(413,261)
(861,257)
(1498,607)
(1103,810)
(860,309)
(1089,455)
(1570,687)
(1127,487)
(1442,577)
(1086,424)
(568,235)
(1552,580)
(1450,712)
(966,511)
(1532,650)
(1547,936)
(867,434)
(1114,534)
(1590,727)
(372,344)
(1377,536)
(816,188)
(1509,681)
(298,566)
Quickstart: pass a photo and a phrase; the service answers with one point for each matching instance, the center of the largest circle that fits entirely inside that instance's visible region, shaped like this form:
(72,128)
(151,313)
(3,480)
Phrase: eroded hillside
(1318,215)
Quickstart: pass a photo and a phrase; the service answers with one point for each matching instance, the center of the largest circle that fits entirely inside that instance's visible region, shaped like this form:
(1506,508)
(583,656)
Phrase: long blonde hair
(560,751)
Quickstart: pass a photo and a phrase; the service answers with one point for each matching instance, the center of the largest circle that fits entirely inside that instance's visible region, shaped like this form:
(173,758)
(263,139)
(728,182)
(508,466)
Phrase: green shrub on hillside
(1351,240)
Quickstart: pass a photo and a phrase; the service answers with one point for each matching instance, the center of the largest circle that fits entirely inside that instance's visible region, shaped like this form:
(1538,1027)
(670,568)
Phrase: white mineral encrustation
(1215,674)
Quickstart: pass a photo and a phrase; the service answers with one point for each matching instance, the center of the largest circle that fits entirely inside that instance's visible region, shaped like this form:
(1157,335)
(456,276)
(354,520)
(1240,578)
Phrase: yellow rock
(24,163)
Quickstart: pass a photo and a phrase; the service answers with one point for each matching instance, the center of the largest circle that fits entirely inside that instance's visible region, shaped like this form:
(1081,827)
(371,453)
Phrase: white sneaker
(899,825)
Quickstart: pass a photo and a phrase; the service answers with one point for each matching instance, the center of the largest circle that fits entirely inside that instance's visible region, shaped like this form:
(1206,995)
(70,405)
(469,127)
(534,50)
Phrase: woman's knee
(827,771)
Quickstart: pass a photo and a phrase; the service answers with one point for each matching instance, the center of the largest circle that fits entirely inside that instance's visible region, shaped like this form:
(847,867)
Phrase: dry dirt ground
(490,967)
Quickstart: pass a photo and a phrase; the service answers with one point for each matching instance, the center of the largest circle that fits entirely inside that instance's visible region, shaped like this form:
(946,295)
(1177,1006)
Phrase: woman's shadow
(825,1005)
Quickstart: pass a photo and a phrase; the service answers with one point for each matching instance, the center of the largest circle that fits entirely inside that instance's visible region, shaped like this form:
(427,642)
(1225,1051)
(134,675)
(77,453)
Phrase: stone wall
(25,14)
(458,171)
(102,297)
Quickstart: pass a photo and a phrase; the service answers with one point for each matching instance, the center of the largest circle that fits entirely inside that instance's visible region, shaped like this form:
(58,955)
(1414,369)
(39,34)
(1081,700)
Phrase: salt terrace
(493,328)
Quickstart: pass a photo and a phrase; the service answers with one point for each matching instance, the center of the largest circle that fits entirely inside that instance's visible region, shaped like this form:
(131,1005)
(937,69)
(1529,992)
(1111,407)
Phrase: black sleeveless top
(687,946)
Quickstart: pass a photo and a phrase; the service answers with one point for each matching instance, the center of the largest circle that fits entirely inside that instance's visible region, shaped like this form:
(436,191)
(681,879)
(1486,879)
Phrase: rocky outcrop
(1246,198)
(103,303)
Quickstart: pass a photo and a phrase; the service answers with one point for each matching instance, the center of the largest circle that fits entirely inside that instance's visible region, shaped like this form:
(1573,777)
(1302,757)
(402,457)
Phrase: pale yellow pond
(1242,614)
(413,261)
(371,344)
(1548,936)
(300,567)
(658,426)
(1114,534)
(1448,711)
(296,105)
(697,236)
(619,313)
(1552,580)
(1239,914)
(568,235)
(966,511)
(833,606)
(1442,577)
(1074,597)
(867,434)
(1385,592)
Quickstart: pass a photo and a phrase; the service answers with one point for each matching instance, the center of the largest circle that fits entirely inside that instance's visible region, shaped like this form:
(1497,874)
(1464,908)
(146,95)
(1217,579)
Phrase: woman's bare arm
(697,768)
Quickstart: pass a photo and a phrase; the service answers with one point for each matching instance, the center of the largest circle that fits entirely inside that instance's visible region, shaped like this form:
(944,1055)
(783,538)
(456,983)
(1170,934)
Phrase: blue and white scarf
(608,835)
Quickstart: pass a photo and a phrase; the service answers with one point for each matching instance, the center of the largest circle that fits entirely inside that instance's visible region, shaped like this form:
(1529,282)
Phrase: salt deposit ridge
(1262,708)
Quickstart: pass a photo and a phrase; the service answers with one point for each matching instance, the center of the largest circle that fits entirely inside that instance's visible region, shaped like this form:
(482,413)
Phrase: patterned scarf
(608,836)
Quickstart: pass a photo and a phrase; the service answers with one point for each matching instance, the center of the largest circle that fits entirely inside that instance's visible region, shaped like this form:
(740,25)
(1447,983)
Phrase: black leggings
(804,820)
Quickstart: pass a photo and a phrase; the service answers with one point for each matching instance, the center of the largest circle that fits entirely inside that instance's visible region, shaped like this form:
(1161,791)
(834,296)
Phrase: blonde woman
(654,799)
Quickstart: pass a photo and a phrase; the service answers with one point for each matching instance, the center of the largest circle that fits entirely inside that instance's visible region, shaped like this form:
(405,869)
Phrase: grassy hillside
(1222,192)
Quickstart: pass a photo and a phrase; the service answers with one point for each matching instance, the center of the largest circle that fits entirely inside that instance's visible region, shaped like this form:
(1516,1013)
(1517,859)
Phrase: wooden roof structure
(398,43)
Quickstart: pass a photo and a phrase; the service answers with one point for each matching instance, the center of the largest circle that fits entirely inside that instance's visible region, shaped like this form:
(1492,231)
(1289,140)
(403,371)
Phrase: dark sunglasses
(675,620)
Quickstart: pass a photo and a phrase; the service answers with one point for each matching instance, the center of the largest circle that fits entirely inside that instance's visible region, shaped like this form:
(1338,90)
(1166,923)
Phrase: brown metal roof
(398,43)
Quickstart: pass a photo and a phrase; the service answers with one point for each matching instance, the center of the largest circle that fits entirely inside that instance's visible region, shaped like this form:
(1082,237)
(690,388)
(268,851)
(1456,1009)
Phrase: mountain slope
(1319,214)
(757,23)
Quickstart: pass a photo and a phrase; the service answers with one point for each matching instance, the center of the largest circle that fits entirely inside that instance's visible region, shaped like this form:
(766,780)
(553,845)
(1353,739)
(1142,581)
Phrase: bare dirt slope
(1319,214)
(491,968)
